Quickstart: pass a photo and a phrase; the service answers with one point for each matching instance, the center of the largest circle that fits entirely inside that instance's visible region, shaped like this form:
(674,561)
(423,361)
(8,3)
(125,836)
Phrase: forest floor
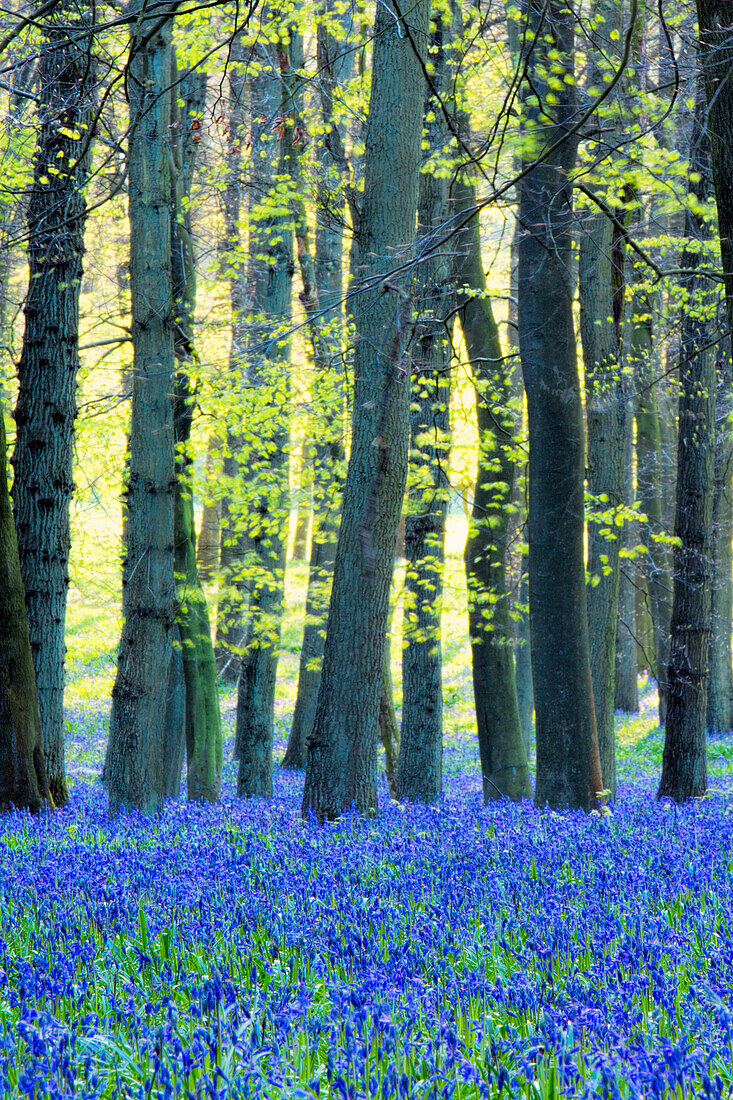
(456,951)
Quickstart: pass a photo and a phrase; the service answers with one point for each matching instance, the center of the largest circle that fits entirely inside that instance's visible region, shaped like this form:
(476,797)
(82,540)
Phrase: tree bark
(568,765)
(684,765)
(649,462)
(720,677)
(420,764)
(601,290)
(716,60)
(49,362)
(504,767)
(341,769)
(135,766)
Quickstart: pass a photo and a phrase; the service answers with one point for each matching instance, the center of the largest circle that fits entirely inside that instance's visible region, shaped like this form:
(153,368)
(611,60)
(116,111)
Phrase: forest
(366,549)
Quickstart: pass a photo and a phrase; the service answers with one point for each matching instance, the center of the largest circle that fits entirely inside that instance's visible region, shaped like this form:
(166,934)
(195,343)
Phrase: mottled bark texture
(267,455)
(202,717)
(341,769)
(568,765)
(135,766)
(720,676)
(715,21)
(684,764)
(49,362)
(504,768)
(23,780)
(420,763)
(322,295)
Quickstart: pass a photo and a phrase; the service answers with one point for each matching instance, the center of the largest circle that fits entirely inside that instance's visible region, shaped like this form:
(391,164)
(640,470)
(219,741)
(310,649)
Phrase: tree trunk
(202,717)
(420,766)
(341,768)
(626,689)
(649,461)
(23,779)
(389,730)
(267,526)
(325,314)
(720,677)
(49,363)
(207,548)
(504,768)
(600,275)
(716,61)
(568,765)
(684,765)
(135,766)
(523,662)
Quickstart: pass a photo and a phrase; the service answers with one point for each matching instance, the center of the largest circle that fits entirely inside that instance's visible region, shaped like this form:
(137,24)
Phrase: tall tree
(49,362)
(568,765)
(504,768)
(135,760)
(716,60)
(720,676)
(684,765)
(342,758)
(419,767)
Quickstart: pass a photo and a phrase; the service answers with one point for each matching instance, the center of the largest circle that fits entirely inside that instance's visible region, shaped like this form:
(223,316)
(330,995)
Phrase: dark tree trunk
(684,766)
(720,677)
(49,363)
(420,764)
(504,768)
(202,717)
(716,60)
(135,766)
(568,765)
(341,768)
(523,661)
(23,779)
(325,313)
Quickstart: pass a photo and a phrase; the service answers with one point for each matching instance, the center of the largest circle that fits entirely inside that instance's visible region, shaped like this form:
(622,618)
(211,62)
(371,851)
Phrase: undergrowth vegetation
(236,951)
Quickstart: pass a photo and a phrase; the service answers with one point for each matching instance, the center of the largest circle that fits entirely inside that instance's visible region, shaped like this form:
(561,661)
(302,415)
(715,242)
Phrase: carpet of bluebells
(235,951)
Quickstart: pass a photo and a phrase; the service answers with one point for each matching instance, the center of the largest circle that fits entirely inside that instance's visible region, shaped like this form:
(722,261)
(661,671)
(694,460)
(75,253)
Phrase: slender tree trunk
(568,765)
(649,461)
(207,547)
(420,765)
(504,768)
(49,363)
(135,766)
(267,528)
(389,730)
(684,766)
(626,689)
(601,294)
(523,661)
(342,758)
(202,717)
(325,313)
